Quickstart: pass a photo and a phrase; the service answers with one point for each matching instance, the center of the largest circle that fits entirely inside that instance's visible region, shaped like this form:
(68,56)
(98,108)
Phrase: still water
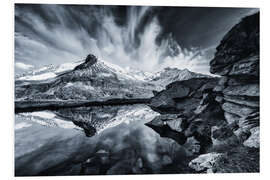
(94,140)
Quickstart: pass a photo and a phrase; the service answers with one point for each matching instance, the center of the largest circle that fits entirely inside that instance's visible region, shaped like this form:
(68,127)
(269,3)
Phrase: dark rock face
(238,52)
(182,96)
(237,60)
(89,61)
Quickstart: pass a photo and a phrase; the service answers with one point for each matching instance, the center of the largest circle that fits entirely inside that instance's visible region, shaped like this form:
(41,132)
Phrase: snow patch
(39,77)
(43,114)
(67,66)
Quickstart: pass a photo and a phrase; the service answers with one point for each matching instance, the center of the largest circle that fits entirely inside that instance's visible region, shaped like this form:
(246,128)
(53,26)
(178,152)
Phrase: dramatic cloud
(142,37)
(23,66)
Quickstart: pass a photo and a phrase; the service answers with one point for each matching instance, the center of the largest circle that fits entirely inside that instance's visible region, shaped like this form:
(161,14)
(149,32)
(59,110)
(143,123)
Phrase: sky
(140,37)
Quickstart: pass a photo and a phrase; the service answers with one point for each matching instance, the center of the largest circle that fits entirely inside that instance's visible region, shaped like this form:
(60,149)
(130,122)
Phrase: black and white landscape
(121,90)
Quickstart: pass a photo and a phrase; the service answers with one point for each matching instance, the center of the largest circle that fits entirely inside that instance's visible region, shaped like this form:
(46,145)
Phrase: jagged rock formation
(237,60)
(221,114)
(182,96)
(194,111)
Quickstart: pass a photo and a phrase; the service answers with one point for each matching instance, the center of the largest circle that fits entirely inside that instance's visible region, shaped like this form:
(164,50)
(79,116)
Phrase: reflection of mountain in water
(95,119)
(50,144)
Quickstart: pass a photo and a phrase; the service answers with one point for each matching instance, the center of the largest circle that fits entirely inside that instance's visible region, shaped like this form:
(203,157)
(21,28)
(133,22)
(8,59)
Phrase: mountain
(94,79)
(169,75)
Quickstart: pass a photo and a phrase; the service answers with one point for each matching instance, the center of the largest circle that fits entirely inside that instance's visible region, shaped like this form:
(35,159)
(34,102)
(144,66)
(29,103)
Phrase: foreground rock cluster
(238,89)
(217,119)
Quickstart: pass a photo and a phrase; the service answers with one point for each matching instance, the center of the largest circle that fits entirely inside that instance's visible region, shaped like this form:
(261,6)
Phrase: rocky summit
(218,118)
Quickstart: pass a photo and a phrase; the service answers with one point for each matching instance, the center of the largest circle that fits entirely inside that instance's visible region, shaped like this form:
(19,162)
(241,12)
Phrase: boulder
(165,99)
(182,96)
(177,124)
(238,159)
(205,162)
(254,139)
(173,121)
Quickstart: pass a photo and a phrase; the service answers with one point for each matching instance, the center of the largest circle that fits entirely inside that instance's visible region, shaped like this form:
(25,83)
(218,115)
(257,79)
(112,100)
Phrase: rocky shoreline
(218,118)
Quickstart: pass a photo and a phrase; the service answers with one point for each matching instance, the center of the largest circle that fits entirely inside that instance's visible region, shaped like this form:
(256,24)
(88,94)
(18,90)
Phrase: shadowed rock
(238,50)
(182,96)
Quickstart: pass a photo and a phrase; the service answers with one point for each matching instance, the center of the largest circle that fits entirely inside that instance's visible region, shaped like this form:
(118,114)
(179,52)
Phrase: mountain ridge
(94,79)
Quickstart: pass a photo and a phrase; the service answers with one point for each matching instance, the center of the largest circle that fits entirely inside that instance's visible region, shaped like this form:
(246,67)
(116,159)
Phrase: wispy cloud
(54,34)
(23,66)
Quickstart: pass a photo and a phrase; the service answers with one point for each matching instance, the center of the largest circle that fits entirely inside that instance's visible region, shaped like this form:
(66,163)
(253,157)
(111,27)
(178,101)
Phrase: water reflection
(120,143)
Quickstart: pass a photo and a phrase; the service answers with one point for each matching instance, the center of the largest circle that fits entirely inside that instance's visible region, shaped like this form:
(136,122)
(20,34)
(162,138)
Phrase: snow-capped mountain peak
(50,71)
(95,79)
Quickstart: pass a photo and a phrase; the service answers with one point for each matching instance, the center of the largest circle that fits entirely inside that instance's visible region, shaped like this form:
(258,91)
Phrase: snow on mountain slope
(169,75)
(67,66)
(48,71)
(43,76)
(95,79)
(138,74)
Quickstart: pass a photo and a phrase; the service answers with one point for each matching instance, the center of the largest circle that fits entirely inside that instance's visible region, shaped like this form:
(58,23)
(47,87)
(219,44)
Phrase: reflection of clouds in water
(22,125)
(141,139)
(127,142)
(125,130)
